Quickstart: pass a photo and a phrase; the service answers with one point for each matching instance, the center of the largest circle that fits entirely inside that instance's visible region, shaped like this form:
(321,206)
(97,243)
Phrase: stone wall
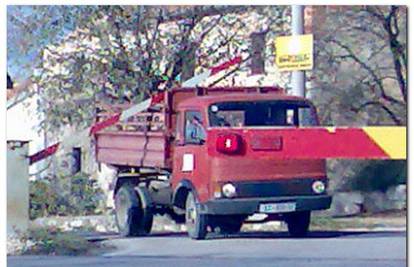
(354,203)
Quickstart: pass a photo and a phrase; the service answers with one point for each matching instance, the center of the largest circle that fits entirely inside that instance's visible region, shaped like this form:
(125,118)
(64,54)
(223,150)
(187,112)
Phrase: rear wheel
(298,223)
(196,222)
(132,214)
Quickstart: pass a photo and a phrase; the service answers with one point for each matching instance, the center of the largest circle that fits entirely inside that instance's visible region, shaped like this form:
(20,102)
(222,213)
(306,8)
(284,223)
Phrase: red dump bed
(132,148)
(140,141)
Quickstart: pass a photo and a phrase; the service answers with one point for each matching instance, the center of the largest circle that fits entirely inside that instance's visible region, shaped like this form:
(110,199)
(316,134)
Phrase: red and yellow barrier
(376,142)
(392,140)
(297,143)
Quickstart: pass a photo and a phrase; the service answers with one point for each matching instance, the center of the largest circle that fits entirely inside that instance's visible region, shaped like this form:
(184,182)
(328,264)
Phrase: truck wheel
(132,214)
(196,223)
(298,223)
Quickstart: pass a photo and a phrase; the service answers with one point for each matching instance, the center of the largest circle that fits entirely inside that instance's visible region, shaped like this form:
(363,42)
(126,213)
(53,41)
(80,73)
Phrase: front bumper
(250,206)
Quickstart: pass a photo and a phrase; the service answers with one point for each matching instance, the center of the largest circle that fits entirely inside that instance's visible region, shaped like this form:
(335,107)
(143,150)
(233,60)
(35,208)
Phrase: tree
(123,53)
(31,28)
(362,65)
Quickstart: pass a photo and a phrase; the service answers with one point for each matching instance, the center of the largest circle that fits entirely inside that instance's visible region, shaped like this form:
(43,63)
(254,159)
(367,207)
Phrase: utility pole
(298,76)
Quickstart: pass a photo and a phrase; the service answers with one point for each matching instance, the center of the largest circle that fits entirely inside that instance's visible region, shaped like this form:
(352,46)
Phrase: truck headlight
(229,190)
(318,187)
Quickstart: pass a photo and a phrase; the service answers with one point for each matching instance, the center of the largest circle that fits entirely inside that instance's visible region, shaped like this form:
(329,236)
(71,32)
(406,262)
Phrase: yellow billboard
(294,52)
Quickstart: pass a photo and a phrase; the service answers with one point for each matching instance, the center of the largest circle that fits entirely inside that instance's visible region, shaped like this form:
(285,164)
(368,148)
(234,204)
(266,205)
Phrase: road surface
(321,249)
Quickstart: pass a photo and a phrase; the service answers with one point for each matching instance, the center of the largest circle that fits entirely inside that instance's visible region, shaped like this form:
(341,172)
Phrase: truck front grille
(286,187)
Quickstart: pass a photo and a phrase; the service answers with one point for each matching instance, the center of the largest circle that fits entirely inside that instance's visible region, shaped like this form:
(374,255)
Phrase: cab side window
(194,129)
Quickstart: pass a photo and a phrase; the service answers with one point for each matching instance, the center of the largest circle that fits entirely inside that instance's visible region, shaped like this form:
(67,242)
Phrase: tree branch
(373,11)
(212,25)
(203,11)
(229,73)
(396,48)
(395,119)
(365,66)
(364,30)
(224,42)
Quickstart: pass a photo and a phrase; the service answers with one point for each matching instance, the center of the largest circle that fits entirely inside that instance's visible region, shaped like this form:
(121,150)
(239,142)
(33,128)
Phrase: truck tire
(196,222)
(298,223)
(132,213)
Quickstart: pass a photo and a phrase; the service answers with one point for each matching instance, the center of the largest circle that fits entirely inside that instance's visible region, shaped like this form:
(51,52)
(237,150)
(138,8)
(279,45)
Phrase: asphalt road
(322,249)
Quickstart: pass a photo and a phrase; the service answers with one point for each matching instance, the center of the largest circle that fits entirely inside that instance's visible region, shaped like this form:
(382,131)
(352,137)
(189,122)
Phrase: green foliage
(53,242)
(379,175)
(83,197)
(366,175)
(123,53)
(43,199)
(29,28)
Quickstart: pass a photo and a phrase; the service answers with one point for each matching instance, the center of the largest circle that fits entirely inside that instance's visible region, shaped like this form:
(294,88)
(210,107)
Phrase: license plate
(277,207)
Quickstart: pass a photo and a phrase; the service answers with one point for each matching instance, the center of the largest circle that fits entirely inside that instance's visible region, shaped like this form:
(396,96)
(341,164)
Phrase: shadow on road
(97,237)
(265,235)
(311,235)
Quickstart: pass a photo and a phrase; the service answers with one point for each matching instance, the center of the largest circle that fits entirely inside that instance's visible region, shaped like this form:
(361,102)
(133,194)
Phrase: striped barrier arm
(392,140)
(298,143)
(373,142)
(44,153)
(376,142)
(105,123)
(192,82)
(142,106)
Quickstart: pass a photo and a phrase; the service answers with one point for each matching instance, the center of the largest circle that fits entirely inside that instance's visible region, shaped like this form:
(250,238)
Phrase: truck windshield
(261,113)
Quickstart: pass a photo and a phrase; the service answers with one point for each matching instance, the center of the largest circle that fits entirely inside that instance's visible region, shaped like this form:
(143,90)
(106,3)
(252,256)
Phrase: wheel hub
(123,205)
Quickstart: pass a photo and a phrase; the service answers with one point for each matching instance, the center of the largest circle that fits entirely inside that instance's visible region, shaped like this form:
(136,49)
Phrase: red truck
(209,158)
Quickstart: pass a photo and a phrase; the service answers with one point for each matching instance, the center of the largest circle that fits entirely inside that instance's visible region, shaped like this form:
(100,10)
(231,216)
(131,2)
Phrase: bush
(378,175)
(43,200)
(81,196)
(86,197)
(53,242)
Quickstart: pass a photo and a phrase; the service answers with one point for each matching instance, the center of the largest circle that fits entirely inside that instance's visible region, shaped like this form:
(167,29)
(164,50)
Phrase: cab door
(190,153)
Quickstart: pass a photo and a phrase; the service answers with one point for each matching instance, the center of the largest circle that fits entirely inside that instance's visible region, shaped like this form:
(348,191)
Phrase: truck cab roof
(206,100)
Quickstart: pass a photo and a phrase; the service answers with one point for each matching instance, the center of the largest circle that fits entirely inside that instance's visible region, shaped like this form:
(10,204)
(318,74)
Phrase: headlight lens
(318,187)
(229,190)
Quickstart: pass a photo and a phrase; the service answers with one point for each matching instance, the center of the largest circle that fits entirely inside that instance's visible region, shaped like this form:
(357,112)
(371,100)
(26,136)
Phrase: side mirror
(172,138)
(179,142)
(201,141)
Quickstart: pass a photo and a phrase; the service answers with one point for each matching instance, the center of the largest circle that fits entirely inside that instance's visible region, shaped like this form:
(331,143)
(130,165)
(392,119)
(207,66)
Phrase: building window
(76,160)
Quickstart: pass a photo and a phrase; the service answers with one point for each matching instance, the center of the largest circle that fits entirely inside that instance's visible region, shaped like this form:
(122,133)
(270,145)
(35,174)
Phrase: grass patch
(55,242)
(329,223)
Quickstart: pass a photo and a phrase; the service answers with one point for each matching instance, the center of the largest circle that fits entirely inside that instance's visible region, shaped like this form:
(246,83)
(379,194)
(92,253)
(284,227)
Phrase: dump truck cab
(227,161)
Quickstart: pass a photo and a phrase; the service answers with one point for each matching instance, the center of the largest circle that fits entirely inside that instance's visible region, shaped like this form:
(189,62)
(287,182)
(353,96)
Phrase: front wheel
(196,222)
(298,223)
